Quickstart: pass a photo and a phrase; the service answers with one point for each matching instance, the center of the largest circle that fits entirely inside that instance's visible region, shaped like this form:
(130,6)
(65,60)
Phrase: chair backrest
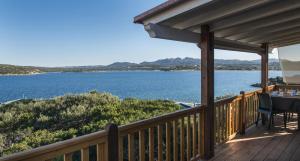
(265,101)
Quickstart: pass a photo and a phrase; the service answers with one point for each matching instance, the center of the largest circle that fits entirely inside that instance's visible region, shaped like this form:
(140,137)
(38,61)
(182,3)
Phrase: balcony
(221,130)
(179,136)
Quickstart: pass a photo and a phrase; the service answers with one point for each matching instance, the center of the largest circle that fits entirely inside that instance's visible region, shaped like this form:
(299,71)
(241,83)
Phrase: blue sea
(182,86)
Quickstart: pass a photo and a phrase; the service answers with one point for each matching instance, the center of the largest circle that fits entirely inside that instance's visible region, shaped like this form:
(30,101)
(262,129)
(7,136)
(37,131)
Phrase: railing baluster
(237,115)
(201,131)
(252,109)
(131,156)
(228,120)
(188,138)
(121,148)
(194,136)
(238,126)
(248,114)
(182,146)
(242,111)
(168,141)
(112,142)
(225,122)
(215,124)
(101,155)
(142,145)
(151,144)
(175,143)
(85,154)
(222,123)
(218,124)
(231,119)
(160,143)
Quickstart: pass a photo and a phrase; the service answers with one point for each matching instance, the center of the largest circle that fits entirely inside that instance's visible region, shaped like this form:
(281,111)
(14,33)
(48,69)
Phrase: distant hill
(17,70)
(124,65)
(162,64)
(173,62)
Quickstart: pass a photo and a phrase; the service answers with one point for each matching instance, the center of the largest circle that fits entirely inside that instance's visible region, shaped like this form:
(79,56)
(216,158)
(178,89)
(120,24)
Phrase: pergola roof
(242,25)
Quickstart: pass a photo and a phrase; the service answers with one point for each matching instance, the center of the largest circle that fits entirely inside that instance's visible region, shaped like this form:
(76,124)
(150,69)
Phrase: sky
(85,32)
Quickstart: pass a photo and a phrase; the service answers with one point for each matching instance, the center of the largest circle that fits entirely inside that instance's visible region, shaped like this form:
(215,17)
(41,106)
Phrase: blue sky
(84,32)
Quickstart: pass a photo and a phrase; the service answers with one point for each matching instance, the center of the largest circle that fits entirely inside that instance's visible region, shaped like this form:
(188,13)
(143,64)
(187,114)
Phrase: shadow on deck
(260,144)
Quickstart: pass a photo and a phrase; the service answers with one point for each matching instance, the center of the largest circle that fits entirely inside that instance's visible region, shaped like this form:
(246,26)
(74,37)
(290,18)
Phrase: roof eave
(158,9)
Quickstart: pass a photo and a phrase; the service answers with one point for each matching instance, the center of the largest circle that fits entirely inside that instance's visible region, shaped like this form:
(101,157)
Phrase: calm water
(180,86)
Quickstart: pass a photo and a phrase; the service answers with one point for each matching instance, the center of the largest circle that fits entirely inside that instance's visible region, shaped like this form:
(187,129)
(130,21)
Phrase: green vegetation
(27,124)
(15,70)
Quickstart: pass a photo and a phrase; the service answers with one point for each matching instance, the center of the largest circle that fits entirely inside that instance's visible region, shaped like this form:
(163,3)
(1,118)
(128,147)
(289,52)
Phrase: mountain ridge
(160,64)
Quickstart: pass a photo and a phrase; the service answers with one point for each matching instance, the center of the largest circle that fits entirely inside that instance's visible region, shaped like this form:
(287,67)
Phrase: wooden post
(112,142)
(264,67)
(242,114)
(264,73)
(207,89)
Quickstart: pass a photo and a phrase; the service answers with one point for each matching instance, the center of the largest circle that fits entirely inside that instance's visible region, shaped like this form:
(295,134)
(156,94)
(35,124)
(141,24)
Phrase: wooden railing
(227,115)
(176,136)
(173,137)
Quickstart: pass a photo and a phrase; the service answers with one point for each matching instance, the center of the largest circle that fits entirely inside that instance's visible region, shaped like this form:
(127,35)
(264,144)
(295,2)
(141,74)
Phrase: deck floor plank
(294,147)
(278,150)
(268,148)
(230,148)
(260,144)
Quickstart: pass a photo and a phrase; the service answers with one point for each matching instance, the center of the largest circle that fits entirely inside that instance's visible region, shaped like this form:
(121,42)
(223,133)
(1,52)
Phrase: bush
(27,124)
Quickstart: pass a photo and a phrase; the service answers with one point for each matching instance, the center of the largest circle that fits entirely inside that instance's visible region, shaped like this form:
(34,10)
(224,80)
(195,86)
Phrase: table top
(286,102)
(285,95)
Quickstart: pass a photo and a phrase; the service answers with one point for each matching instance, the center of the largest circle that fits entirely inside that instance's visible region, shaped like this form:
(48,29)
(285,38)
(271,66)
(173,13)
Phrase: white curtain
(289,58)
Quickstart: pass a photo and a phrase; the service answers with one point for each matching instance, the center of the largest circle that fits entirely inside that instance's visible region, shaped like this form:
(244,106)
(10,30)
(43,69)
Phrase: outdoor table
(287,103)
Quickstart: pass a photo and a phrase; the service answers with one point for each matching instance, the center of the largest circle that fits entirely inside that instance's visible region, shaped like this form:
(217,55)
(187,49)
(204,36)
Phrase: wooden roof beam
(163,32)
(265,30)
(224,44)
(285,39)
(259,23)
(287,43)
(276,7)
(276,36)
(224,10)
(260,38)
(162,13)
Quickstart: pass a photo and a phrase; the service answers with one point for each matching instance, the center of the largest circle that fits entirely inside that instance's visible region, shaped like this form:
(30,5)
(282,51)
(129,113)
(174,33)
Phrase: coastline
(103,71)
(10,74)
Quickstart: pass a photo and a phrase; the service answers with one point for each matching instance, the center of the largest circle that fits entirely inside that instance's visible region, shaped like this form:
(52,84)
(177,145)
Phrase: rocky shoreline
(272,81)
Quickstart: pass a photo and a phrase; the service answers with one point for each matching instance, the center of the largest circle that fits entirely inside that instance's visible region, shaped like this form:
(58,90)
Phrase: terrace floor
(259,144)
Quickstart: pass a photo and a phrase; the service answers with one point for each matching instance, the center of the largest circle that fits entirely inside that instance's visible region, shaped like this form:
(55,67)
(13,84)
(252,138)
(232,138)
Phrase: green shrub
(27,124)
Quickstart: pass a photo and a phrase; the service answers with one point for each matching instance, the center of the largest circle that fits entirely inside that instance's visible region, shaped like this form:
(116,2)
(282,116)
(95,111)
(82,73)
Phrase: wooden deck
(259,144)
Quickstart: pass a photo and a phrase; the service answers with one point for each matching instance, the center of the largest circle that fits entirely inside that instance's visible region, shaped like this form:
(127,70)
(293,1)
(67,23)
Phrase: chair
(266,107)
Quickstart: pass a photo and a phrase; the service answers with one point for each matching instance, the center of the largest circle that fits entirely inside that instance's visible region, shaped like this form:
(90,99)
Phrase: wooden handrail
(132,127)
(51,151)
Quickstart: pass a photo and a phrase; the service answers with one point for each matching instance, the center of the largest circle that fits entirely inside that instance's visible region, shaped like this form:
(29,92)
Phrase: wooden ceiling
(242,25)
